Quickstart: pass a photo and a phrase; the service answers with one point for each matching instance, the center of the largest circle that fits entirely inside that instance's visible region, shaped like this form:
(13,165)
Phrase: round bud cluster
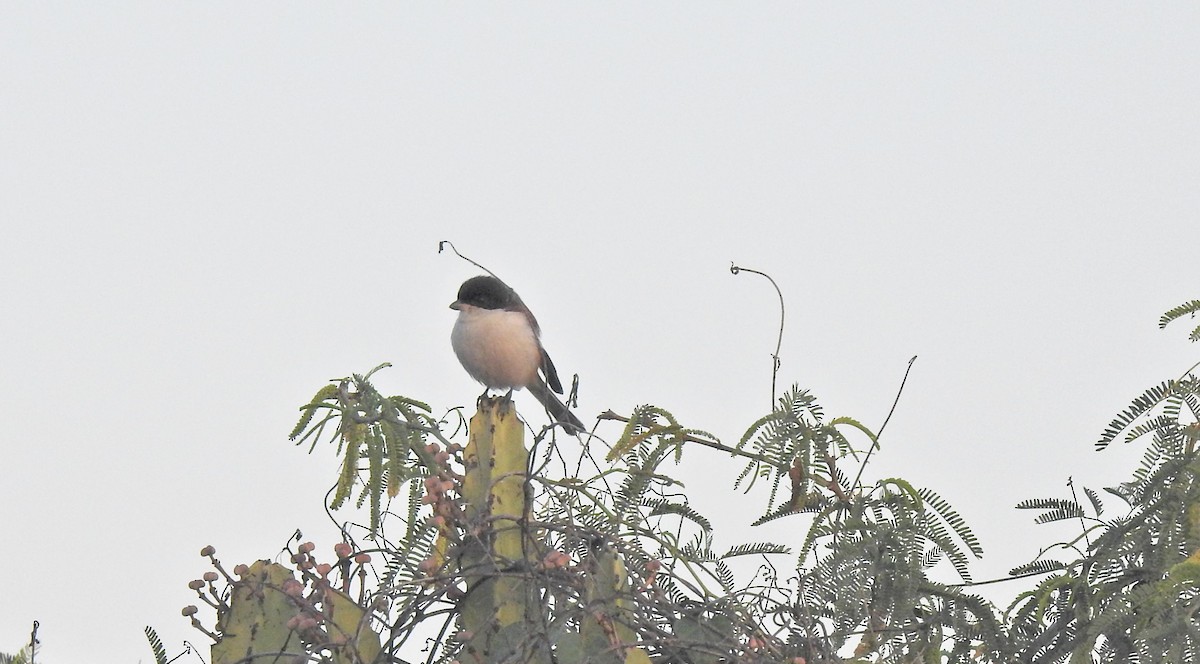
(440,457)
(292,588)
(303,557)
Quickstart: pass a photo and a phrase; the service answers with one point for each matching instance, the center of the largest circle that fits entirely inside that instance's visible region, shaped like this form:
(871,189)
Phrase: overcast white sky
(209,209)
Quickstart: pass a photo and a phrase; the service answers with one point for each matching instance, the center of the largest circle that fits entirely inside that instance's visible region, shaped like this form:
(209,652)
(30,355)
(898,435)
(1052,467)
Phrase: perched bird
(496,338)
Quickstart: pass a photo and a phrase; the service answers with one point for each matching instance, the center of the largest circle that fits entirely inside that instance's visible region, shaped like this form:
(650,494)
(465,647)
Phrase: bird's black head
(486,293)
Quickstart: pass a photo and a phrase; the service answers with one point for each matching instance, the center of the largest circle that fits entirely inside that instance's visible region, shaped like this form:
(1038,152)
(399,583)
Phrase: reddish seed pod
(307,547)
(189,610)
(299,557)
(210,576)
(241,570)
(323,569)
(195,584)
(208,550)
(342,549)
(362,558)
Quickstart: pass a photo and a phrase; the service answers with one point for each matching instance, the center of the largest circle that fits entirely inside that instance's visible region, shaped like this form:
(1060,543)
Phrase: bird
(498,341)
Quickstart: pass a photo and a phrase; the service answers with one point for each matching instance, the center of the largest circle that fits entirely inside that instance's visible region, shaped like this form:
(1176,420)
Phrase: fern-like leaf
(955,520)
(1095,500)
(1063,514)
(1185,309)
(1049,504)
(755,549)
(156,645)
(1140,406)
(1037,567)
(660,507)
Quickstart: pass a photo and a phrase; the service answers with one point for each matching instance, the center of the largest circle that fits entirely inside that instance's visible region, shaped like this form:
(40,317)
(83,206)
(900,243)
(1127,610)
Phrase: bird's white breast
(498,348)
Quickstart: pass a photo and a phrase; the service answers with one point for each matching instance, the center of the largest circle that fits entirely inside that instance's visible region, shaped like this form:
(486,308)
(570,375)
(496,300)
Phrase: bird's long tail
(557,409)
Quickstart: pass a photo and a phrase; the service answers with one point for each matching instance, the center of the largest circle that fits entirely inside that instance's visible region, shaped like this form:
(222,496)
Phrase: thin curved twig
(879,434)
(775,362)
(442,246)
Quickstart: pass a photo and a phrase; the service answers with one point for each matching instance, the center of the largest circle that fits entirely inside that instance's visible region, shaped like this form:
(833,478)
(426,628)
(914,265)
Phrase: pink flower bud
(208,550)
(195,584)
(323,569)
(189,610)
(362,558)
(342,549)
(210,576)
(241,570)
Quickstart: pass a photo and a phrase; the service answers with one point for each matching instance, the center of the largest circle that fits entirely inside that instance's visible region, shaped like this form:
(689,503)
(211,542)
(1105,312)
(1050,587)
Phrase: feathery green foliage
(1132,592)
(626,570)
